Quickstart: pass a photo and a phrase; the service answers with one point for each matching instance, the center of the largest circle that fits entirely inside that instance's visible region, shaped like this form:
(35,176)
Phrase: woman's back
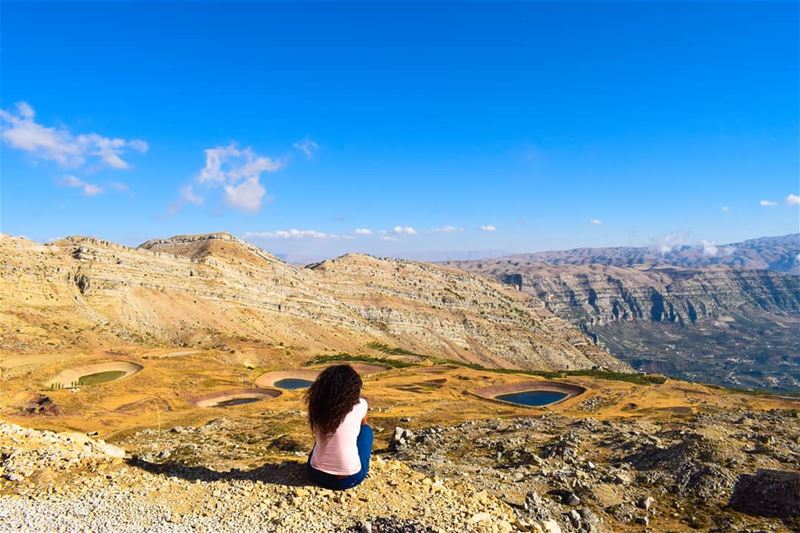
(337,415)
(337,454)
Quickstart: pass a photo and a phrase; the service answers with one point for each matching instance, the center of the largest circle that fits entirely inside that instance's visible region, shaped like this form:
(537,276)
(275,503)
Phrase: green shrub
(346,357)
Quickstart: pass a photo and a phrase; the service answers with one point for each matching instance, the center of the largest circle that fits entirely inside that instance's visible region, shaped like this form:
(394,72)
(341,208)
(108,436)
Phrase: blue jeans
(329,481)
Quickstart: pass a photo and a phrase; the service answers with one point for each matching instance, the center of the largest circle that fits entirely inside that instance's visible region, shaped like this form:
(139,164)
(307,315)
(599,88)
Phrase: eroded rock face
(598,295)
(207,289)
(698,318)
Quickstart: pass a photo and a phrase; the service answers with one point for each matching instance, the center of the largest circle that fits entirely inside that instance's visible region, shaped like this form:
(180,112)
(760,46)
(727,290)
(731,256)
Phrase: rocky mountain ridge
(214,289)
(780,253)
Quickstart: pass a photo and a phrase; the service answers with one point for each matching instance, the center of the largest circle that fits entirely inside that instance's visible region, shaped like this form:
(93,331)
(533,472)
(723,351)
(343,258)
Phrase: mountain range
(216,290)
(727,314)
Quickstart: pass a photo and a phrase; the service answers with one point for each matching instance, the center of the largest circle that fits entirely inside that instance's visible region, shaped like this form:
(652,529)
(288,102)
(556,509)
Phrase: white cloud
(793,199)
(246,196)
(596,221)
(58,144)
(238,171)
(88,189)
(667,243)
(488,227)
(229,164)
(388,238)
(294,234)
(710,249)
(363,231)
(307,146)
(119,186)
(767,203)
(725,209)
(446,229)
(404,230)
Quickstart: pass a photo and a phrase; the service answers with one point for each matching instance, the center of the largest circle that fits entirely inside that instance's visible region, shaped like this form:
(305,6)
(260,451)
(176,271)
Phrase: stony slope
(215,290)
(670,457)
(407,299)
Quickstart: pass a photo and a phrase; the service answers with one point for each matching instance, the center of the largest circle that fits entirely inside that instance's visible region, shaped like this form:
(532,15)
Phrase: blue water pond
(532,398)
(292,383)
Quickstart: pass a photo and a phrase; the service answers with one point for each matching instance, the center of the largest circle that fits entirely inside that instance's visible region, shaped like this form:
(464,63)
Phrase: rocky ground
(719,471)
(716,471)
(73,483)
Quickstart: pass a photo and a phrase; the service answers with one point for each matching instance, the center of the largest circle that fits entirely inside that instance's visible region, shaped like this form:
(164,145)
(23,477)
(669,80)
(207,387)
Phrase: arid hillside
(215,291)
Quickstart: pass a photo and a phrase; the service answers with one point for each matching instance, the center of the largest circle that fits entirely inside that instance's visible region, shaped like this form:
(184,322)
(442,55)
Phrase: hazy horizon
(662,247)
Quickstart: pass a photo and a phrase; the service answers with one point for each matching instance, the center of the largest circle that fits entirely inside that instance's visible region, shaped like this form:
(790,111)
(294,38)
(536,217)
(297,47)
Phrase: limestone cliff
(602,294)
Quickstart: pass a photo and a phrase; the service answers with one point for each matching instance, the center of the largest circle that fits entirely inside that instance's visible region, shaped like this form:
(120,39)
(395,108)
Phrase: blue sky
(434,129)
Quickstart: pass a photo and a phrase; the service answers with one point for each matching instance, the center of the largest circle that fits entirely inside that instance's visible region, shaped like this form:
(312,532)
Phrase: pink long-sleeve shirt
(338,454)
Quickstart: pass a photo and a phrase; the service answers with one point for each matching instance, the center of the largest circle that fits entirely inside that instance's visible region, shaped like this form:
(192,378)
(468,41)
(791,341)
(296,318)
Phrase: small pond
(236,401)
(292,383)
(100,377)
(533,398)
(232,398)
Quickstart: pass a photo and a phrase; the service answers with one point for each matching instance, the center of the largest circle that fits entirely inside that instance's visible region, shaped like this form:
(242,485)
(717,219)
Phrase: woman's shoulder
(362,404)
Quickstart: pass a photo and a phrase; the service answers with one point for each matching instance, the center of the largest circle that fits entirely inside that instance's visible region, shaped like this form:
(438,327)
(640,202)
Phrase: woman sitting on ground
(338,417)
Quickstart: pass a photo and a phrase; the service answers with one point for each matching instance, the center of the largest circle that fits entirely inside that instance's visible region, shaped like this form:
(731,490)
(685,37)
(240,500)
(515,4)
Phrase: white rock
(480,517)
(550,526)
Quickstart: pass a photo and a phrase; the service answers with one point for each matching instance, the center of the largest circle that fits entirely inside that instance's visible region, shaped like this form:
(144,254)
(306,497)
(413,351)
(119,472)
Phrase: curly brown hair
(331,397)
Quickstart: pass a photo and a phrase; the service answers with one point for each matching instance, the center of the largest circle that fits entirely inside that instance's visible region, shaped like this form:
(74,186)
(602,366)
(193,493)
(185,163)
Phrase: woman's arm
(366,408)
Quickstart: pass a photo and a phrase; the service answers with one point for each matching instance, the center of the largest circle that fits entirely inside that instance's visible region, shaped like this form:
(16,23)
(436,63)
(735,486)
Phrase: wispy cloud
(767,203)
(488,227)
(294,234)
(596,221)
(363,231)
(793,199)
(58,144)
(88,189)
(307,146)
(404,230)
(186,196)
(445,229)
(189,196)
(725,209)
(712,249)
(388,238)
